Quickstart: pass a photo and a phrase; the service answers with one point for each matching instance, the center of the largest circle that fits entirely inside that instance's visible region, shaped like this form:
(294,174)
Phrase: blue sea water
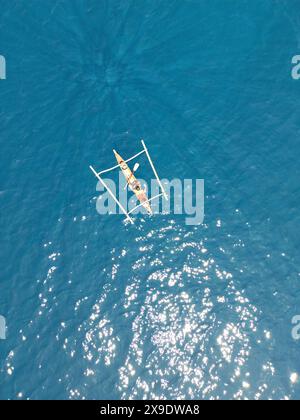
(99,309)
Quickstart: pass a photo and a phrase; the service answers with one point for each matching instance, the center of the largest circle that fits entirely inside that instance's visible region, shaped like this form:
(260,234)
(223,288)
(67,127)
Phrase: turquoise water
(95,308)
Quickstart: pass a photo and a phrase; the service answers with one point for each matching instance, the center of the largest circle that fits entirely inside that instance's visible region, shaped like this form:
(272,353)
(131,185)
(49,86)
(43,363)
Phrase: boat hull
(133,183)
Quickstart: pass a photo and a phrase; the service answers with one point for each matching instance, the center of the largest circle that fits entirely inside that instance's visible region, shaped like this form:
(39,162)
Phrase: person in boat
(135,185)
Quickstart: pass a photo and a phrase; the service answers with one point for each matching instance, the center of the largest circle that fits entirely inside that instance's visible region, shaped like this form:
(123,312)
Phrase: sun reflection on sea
(176,326)
(175,352)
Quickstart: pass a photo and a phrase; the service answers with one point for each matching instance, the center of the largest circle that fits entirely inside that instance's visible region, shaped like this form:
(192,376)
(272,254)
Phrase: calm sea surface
(96,308)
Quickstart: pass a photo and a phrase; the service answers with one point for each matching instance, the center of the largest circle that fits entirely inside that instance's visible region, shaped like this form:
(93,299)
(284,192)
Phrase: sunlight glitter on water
(177,331)
(174,315)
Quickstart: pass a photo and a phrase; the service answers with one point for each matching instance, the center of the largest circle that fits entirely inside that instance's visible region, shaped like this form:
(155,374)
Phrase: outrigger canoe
(133,183)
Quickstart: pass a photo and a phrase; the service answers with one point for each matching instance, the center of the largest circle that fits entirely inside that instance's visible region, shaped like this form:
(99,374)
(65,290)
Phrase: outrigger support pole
(112,195)
(154,170)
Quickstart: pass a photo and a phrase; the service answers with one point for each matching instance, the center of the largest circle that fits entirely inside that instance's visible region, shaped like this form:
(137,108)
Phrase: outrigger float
(132,182)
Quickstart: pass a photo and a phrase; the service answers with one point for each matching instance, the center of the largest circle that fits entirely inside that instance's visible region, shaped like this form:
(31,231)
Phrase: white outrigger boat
(132,182)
